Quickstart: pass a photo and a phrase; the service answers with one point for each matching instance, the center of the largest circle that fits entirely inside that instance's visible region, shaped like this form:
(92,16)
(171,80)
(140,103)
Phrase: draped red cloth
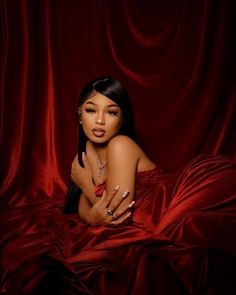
(181,239)
(176,59)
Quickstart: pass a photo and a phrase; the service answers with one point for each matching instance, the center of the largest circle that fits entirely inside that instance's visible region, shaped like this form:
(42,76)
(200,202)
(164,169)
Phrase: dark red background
(176,58)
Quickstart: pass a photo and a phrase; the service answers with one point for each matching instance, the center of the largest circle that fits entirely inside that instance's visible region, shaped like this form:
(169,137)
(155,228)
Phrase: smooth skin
(100,118)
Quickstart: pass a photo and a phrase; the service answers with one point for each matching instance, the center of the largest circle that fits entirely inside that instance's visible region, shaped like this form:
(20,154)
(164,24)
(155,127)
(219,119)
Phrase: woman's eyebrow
(113,105)
(89,102)
(110,105)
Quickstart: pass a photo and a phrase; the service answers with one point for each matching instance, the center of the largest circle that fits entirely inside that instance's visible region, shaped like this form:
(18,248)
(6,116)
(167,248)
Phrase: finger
(121,211)
(123,219)
(73,170)
(85,161)
(108,198)
(73,178)
(75,158)
(75,164)
(116,201)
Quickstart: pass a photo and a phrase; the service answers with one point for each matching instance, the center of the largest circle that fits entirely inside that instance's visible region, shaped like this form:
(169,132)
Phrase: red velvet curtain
(176,59)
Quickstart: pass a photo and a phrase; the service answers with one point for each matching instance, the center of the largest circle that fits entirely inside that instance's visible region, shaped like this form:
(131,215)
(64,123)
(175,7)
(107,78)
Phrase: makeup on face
(111,109)
(100,118)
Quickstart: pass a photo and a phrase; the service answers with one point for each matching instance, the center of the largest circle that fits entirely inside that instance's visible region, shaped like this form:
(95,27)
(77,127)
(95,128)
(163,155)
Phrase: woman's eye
(90,110)
(112,113)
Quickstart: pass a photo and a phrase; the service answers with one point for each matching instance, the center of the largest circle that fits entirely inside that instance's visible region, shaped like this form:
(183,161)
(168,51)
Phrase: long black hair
(114,90)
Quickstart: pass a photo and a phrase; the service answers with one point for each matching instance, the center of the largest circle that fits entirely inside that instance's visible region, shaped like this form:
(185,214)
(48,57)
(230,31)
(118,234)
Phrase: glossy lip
(98,132)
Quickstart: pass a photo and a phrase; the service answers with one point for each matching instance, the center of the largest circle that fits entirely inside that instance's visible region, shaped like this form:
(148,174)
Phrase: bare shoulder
(123,143)
(122,156)
(128,149)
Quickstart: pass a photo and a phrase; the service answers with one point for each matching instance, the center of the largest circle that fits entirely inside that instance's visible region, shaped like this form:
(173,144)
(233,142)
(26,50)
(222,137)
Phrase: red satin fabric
(181,240)
(176,59)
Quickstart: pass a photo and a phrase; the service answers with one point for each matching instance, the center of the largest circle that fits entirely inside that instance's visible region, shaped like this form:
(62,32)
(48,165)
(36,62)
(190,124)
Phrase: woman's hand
(100,214)
(81,176)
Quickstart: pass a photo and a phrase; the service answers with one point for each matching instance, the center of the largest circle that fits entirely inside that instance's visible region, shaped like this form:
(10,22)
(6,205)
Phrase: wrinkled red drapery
(176,59)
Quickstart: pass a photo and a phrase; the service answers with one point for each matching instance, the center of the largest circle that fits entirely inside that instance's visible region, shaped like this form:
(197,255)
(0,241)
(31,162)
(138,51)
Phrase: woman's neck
(101,151)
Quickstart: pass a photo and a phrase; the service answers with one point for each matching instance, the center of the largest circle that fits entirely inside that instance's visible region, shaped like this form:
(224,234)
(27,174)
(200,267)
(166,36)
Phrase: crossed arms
(116,204)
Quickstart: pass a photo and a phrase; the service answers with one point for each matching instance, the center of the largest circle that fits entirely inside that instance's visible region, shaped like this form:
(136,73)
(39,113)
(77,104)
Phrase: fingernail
(131,204)
(83,154)
(117,188)
(125,194)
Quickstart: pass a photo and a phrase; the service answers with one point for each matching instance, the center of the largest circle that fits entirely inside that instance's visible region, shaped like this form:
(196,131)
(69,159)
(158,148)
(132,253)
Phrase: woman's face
(101,118)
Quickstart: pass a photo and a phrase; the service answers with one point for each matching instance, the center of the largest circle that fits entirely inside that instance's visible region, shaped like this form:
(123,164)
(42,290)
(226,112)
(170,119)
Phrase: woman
(137,230)
(107,135)
(180,210)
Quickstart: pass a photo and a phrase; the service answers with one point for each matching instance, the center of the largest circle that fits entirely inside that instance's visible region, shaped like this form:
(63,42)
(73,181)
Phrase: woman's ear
(80,114)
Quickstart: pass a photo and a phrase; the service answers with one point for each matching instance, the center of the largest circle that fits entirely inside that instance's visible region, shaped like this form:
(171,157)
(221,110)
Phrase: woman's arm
(123,155)
(97,214)
(84,207)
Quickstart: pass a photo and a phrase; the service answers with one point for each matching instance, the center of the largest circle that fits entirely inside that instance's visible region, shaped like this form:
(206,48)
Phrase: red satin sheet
(181,240)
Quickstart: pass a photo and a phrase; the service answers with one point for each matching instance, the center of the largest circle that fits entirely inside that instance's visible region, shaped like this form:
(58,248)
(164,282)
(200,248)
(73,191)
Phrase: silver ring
(114,217)
(109,212)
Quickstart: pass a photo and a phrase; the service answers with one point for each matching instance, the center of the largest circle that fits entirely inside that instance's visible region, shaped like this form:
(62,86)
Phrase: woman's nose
(100,120)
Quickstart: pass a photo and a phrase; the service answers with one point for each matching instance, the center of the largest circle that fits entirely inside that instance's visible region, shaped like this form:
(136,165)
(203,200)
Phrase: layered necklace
(101,167)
